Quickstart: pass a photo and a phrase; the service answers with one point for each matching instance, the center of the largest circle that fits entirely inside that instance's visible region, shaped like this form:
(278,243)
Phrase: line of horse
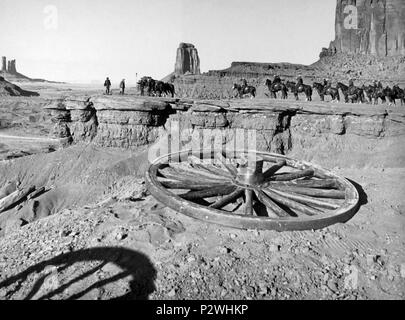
(352,94)
(155,88)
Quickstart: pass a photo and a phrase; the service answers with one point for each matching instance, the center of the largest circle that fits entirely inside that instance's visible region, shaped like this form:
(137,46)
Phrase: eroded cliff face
(331,135)
(379,31)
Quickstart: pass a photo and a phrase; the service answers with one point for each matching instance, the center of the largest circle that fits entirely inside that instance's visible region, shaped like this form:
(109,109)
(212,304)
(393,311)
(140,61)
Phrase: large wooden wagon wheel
(251,190)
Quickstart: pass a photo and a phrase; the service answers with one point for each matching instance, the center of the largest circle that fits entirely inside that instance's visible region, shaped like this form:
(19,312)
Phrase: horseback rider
(379,85)
(325,82)
(277,78)
(328,84)
(244,85)
(351,83)
(299,80)
(375,84)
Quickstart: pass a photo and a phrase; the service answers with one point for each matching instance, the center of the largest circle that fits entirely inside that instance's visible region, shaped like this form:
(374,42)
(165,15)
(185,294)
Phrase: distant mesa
(9,89)
(187,60)
(9,72)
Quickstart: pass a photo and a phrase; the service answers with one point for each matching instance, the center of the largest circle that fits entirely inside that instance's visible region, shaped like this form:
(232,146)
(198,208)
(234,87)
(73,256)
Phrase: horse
(399,94)
(151,86)
(298,88)
(147,83)
(165,88)
(352,94)
(333,92)
(276,87)
(379,93)
(245,91)
(368,90)
(169,89)
(390,95)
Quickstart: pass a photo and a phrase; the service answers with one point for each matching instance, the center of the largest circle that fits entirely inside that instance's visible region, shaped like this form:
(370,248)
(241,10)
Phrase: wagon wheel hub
(250,173)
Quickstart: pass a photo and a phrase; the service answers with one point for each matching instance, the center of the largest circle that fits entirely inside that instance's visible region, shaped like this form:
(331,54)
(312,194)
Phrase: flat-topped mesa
(187,60)
(379,31)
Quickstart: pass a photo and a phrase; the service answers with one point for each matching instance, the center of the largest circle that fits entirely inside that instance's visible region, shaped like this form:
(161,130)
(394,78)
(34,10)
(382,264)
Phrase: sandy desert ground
(102,236)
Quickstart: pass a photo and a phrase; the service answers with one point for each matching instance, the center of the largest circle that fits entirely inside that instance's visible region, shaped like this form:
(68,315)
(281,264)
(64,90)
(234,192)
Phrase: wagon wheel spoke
(187,181)
(327,183)
(248,202)
(201,173)
(307,200)
(184,184)
(214,191)
(219,204)
(231,168)
(302,208)
(208,168)
(181,174)
(273,169)
(313,192)
(213,170)
(274,210)
(293,176)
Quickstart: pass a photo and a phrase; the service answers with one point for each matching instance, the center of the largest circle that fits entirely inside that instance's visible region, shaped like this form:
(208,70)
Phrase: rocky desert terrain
(96,233)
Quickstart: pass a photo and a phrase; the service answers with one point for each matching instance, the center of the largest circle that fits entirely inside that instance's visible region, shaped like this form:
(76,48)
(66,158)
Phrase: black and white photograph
(220,152)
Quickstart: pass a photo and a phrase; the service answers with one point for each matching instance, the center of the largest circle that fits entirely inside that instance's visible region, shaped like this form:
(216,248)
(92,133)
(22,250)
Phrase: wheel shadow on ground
(132,264)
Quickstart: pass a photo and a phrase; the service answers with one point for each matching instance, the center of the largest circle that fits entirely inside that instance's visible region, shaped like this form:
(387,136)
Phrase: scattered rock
(120,235)
(332,285)
(224,250)
(371,259)
(402,270)
(274,248)
(64,233)
(171,293)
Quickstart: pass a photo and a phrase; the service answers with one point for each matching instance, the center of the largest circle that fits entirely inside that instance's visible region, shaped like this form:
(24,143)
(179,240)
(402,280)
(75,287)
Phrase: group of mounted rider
(155,88)
(354,94)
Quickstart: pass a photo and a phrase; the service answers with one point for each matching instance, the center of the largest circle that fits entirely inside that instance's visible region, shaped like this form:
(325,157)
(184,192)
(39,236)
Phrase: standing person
(107,85)
(122,87)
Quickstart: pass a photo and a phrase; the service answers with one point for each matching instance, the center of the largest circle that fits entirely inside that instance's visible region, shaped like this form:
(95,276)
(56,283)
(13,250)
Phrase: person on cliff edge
(122,87)
(107,85)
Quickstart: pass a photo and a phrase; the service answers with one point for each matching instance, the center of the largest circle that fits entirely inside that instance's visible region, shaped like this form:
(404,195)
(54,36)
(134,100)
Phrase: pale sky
(92,39)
